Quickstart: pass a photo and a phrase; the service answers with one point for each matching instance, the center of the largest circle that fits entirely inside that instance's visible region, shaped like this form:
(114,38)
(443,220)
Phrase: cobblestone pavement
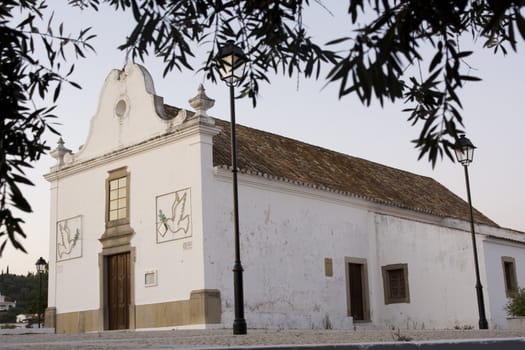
(186,339)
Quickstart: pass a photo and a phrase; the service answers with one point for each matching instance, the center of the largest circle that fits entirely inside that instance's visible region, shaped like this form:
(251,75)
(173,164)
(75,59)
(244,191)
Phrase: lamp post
(464,154)
(231,62)
(40,268)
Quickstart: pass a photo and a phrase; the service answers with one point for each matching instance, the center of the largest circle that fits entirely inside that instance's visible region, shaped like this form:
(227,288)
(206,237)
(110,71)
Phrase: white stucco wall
(286,233)
(151,174)
(494,250)
(179,263)
(440,271)
(72,278)
(166,163)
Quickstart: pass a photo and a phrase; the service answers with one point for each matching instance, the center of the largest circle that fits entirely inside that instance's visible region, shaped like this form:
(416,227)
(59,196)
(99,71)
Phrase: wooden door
(355,278)
(118,291)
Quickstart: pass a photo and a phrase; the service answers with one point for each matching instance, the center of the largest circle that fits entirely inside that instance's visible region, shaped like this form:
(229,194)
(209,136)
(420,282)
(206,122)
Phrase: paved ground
(185,339)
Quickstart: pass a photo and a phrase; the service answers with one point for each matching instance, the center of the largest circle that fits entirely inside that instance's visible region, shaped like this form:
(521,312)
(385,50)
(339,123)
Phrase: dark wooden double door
(118,290)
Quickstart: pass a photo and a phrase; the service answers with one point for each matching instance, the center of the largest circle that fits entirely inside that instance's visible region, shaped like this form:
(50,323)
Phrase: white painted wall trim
(504,241)
(191,128)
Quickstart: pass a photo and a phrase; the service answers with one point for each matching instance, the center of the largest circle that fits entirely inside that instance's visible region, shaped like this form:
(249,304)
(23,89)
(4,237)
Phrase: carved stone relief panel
(174,215)
(69,238)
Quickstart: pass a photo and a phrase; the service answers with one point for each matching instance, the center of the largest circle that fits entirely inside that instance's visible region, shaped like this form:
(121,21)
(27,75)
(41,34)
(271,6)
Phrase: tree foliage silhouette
(377,63)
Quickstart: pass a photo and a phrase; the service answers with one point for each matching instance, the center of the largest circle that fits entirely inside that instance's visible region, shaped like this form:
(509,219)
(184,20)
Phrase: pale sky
(493,113)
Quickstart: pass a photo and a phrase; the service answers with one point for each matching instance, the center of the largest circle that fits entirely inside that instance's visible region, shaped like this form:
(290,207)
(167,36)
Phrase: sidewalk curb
(470,344)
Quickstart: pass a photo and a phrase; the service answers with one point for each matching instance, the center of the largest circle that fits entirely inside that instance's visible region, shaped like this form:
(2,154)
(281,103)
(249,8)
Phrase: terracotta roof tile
(282,157)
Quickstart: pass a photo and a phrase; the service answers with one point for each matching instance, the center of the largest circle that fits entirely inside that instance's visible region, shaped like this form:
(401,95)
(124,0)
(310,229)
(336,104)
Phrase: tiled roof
(279,157)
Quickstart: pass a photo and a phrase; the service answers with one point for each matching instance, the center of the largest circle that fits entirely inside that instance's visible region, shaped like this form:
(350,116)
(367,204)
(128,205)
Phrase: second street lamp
(41,265)
(231,62)
(465,153)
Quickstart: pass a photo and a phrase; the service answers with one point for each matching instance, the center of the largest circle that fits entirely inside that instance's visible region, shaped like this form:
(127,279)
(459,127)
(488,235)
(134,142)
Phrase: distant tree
(25,291)
(29,88)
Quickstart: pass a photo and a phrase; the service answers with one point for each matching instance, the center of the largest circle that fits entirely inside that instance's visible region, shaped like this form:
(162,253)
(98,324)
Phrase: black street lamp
(464,154)
(231,62)
(41,265)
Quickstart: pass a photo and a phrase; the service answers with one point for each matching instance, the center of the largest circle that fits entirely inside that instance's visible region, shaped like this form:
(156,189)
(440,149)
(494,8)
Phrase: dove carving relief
(174,215)
(69,232)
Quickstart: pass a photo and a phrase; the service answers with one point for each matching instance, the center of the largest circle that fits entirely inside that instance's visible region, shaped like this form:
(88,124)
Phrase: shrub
(516,304)
(7,326)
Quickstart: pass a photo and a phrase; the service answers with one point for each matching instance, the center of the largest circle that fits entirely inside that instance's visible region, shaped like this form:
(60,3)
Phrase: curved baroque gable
(128,112)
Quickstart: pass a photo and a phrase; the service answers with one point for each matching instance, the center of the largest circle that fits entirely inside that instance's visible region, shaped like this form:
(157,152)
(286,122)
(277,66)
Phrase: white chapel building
(141,233)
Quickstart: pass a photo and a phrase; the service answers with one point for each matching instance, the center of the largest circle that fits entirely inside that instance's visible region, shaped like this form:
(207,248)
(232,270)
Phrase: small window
(117,205)
(509,275)
(118,232)
(118,199)
(395,283)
